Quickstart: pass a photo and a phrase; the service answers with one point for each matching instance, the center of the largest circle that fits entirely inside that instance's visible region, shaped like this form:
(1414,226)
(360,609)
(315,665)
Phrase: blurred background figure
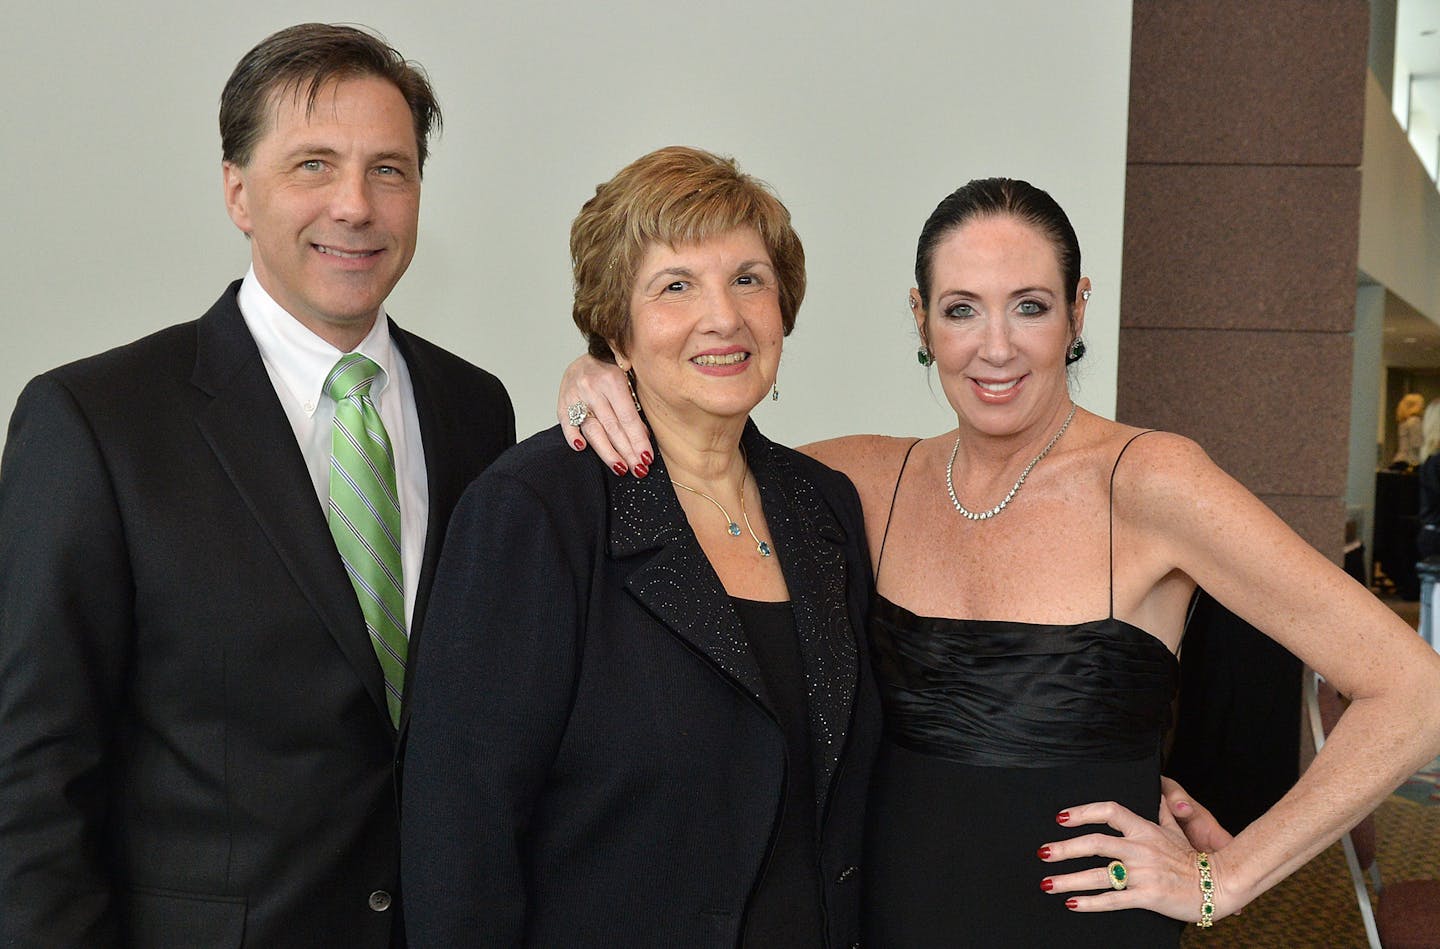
(1407,419)
(1427,539)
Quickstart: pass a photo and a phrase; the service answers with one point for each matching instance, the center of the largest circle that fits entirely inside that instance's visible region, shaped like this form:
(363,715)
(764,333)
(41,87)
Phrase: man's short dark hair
(301,60)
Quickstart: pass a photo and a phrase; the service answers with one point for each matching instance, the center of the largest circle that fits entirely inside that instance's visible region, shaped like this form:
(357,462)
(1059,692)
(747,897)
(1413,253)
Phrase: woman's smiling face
(705,327)
(999,324)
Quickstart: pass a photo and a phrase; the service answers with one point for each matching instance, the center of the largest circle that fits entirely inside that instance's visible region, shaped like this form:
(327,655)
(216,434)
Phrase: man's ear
(237,198)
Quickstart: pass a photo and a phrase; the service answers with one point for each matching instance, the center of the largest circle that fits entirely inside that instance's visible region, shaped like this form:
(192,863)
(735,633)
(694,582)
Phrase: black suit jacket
(592,758)
(194,747)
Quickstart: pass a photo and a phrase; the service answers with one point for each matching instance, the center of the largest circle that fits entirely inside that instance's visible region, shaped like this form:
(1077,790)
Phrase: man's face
(331,203)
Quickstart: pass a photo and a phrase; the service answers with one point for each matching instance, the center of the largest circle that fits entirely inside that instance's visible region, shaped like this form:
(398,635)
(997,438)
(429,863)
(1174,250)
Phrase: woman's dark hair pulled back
(993,197)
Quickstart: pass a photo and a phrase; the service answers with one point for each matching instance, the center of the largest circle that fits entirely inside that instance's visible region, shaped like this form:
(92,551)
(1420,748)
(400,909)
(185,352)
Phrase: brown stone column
(1242,205)
(1242,217)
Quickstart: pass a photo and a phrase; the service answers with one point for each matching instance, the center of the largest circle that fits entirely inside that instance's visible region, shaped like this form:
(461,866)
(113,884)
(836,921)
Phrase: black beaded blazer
(592,759)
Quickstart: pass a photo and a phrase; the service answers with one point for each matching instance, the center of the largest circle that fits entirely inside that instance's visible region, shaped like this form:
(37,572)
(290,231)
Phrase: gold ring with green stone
(1119,876)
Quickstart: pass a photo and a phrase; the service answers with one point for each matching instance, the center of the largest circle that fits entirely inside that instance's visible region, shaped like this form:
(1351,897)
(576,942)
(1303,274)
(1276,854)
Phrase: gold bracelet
(1207,890)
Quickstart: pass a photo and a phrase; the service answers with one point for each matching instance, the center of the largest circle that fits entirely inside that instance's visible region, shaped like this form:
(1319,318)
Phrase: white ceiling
(1411,340)
(1417,61)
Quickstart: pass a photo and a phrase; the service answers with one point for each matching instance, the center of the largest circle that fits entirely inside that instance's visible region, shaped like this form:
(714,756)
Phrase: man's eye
(312,164)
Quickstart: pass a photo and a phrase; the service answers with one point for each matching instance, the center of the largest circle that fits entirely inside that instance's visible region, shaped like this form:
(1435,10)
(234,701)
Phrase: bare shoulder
(1098,446)
(1169,480)
(868,460)
(1152,456)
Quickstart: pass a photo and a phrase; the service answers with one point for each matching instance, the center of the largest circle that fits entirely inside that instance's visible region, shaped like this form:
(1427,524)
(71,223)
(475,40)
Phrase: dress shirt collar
(300,360)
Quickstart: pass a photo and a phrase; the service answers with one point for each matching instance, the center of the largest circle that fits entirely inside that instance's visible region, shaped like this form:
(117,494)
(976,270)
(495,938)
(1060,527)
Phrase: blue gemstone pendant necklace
(761,547)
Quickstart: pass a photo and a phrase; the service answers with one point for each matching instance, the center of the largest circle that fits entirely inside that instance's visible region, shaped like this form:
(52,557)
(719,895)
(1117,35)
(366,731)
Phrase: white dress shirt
(298,362)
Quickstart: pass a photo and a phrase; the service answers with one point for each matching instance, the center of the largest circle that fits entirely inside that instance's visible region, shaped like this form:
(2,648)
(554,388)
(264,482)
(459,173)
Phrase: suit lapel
(246,427)
(443,479)
(676,583)
(810,544)
(441,490)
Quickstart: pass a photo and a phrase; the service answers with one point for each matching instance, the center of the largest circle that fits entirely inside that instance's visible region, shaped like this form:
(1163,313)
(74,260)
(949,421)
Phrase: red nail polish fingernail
(641,471)
(619,467)
(646,458)
(1043,853)
(1062,817)
(579,444)
(1047,884)
(1072,904)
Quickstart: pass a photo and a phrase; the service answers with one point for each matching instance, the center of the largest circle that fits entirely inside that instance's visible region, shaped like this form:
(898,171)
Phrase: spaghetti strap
(891,514)
(1116,468)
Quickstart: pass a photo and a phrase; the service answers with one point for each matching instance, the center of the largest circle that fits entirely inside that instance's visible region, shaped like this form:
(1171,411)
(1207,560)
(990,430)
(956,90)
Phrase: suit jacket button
(846,874)
(379,901)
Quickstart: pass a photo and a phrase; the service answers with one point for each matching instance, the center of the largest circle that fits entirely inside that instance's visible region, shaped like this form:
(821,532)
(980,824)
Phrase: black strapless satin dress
(991,729)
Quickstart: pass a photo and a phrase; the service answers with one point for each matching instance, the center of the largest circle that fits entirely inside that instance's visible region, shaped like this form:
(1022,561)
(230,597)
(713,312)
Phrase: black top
(1023,695)
(785,910)
(992,728)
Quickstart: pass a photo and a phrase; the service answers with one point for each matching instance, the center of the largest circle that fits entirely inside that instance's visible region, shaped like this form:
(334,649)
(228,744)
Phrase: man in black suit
(197,739)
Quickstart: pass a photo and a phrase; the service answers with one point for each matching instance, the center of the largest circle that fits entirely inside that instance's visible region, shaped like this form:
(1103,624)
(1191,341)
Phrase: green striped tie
(364,516)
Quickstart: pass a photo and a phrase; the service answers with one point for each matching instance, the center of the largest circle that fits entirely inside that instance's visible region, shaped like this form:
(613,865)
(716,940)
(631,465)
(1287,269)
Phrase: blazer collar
(446,477)
(678,585)
(246,427)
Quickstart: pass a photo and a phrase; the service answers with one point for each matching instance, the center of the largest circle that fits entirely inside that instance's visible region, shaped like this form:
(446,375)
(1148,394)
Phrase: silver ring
(577,413)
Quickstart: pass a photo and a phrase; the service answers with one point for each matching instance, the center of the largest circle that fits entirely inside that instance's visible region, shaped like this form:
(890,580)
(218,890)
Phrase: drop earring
(775,391)
(630,381)
(923,354)
(1076,351)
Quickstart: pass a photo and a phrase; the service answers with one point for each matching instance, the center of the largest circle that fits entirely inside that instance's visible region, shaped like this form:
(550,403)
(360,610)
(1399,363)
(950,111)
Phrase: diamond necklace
(761,547)
(970,515)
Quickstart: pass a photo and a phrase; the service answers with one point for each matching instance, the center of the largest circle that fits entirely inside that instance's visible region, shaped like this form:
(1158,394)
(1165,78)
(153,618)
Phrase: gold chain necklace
(761,547)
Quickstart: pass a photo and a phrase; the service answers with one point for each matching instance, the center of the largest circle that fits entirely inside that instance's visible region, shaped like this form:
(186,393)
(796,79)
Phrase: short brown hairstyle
(675,195)
(301,60)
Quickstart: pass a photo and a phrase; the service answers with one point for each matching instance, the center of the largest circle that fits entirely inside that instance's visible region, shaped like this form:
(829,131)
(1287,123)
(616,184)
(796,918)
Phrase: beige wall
(862,115)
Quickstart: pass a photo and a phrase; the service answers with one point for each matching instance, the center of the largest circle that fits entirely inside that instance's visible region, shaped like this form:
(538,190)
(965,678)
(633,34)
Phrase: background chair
(1406,914)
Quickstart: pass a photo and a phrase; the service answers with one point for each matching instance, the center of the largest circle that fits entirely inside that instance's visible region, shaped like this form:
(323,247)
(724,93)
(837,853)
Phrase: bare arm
(1198,520)
(613,427)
